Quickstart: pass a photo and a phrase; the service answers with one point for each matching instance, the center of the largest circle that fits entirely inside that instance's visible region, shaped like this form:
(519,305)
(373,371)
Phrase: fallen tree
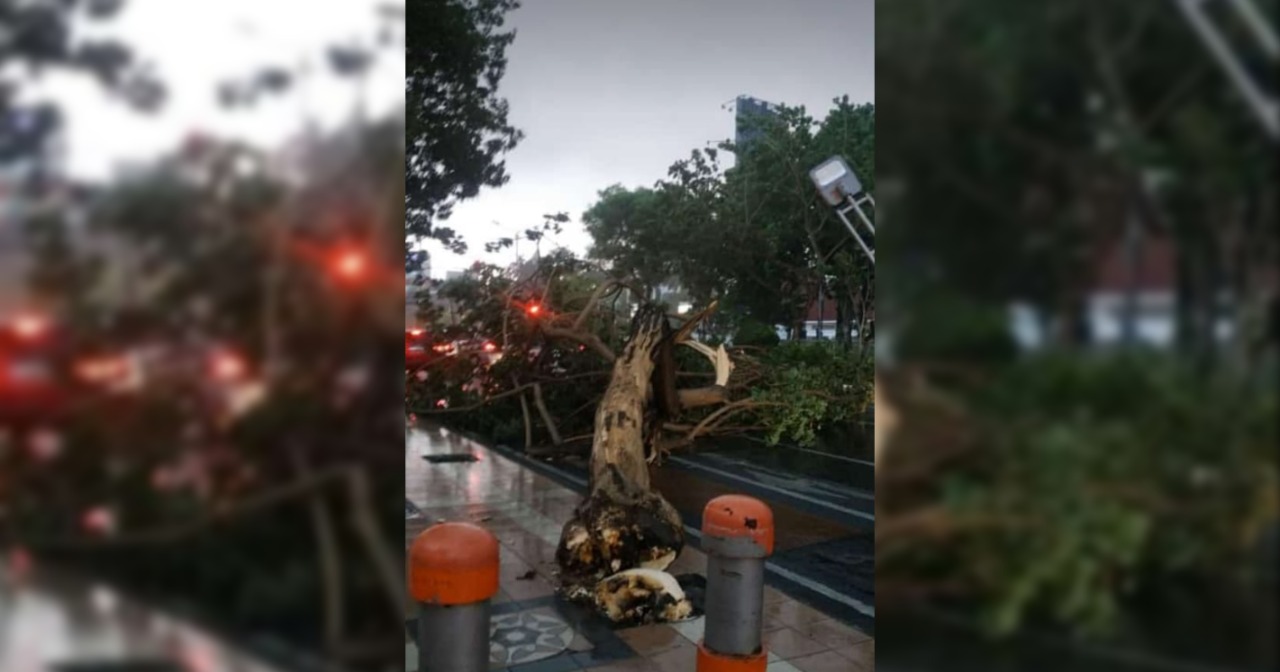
(624,534)
(590,373)
(553,369)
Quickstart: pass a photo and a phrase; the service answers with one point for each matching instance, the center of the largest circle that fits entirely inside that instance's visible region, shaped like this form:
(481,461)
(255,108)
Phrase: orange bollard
(737,535)
(453,574)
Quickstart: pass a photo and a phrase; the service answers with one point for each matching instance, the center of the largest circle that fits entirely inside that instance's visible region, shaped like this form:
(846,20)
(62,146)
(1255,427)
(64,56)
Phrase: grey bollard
(453,575)
(737,536)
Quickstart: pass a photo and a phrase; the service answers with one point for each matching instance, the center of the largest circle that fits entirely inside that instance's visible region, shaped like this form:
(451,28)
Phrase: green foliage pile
(803,388)
(811,387)
(1088,483)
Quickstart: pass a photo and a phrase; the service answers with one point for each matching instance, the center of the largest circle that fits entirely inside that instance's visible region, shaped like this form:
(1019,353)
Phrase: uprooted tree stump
(614,551)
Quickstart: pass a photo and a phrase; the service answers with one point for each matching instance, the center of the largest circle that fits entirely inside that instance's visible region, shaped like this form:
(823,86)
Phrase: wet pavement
(525,505)
(50,622)
(825,530)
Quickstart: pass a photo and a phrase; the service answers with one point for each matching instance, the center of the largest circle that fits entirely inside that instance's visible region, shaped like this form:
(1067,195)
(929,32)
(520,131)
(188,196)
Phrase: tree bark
(623,524)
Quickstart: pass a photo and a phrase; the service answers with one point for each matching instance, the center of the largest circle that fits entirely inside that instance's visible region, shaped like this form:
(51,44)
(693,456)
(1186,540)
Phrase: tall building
(748,114)
(31,167)
(417,276)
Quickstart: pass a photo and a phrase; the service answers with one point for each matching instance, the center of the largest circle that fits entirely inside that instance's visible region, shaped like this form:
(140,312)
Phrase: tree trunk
(330,558)
(623,524)
(842,322)
(1134,257)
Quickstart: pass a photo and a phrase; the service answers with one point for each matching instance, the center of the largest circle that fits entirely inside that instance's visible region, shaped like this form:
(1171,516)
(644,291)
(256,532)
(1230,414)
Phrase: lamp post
(1201,16)
(842,190)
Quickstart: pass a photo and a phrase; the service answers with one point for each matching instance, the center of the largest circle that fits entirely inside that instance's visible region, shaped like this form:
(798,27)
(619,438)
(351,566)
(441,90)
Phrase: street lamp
(842,190)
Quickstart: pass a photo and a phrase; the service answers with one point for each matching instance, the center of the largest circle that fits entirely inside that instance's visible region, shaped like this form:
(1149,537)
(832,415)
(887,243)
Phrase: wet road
(51,622)
(823,504)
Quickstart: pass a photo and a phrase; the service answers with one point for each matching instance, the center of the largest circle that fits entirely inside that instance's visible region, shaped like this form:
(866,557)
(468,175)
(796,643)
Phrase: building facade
(749,113)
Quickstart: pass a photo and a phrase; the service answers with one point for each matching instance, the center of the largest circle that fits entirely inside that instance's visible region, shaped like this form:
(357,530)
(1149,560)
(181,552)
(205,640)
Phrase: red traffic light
(227,366)
(534,309)
(351,264)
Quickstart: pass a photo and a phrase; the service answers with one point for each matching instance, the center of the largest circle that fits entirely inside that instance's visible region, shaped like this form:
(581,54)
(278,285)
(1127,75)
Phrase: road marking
(777,473)
(833,456)
(812,500)
(819,588)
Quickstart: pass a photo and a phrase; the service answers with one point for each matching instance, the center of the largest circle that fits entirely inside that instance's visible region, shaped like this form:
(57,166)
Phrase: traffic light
(533,309)
(351,264)
(227,366)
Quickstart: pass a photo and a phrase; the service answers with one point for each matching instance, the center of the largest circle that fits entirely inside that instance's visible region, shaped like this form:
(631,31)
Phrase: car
(417,350)
(484,349)
(35,383)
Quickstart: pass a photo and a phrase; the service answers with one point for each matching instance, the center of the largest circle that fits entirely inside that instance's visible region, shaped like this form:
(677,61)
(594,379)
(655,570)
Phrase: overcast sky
(197,44)
(614,91)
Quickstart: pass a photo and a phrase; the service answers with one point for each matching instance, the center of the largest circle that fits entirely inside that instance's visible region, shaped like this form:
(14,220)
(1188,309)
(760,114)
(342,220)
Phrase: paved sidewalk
(51,621)
(534,631)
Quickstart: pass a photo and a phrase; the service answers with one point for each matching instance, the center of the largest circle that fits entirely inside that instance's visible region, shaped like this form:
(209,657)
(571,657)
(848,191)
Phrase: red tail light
(227,366)
(101,369)
(30,327)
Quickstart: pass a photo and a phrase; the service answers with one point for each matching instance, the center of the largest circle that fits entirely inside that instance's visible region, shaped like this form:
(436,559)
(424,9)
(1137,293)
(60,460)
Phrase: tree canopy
(39,38)
(755,236)
(1021,150)
(457,126)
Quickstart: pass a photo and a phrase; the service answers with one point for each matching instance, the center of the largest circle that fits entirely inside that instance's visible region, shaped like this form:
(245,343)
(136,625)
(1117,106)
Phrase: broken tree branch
(329,555)
(586,338)
(546,415)
(528,421)
(717,393)
(596,296)
(735,407)
(687,328)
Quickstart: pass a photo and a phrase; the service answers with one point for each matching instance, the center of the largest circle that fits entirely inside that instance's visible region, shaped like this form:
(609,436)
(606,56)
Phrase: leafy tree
(629,231)
(755,236)
(39,38)
(1022,149)
(457,127)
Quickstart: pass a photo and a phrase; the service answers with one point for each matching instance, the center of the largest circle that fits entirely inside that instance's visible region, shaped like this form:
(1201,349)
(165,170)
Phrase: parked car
(417,350)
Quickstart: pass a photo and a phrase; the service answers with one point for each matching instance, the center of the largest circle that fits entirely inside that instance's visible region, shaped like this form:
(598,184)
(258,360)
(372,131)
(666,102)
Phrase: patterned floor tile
(527,636)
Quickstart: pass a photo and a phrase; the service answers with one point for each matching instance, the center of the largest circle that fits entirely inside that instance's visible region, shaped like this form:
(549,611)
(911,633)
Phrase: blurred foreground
(199,359)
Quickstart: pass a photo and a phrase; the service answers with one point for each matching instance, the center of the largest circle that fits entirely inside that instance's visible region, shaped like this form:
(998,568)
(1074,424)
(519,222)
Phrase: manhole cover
(450,457)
